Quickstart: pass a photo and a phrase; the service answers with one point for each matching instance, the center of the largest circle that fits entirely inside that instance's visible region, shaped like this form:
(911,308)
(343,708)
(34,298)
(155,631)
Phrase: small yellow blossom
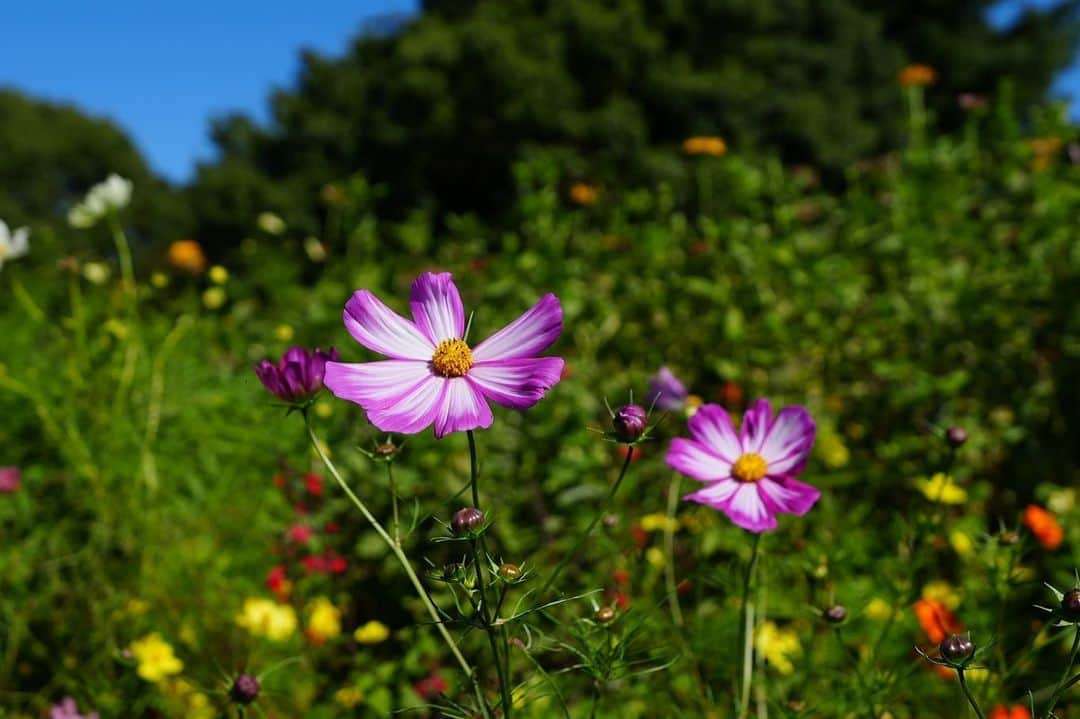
(1061,501)
(705,145)
(372,632)
(214,298)
(941,488)
(267,618)
(977,674)
(658,521)
(270,223)
(348,697)
(196,705)
(159,280)
(941,591)
(283,333)
(155,658)
(323,409)
(961,543)
(917,76)
(655,556)
(879,610)
(778,646)
(218,275)
(96,272)
(316,251)
(833,451)
(324,620)
(693,402)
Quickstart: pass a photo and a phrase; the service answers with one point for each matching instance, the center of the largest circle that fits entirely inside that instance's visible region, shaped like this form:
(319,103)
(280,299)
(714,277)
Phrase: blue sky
(162,70)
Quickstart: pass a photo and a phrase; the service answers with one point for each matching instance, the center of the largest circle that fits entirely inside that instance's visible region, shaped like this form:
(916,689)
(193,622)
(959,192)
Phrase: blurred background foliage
(892,269)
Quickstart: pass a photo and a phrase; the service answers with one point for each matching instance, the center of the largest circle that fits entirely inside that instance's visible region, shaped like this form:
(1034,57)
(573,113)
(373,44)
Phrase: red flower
(622,601)
(641,537)
(1017,711)
(336,563)
(621,576)
(314,563)
(277,581)
(331,528)
(431,687)
(936,620)
(313,482)
(731,395)
(1044,526)
(279,481)
(300,533)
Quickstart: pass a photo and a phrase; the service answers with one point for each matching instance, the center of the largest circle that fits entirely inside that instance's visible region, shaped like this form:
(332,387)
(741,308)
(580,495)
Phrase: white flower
(111,195)
(13,244)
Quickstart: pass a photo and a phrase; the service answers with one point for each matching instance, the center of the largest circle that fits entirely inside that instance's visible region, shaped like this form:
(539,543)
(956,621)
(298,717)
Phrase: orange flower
(936,620)
(1044,526)
(917,76)
(705,145)
(584,194)
(187,255)
(1017,711)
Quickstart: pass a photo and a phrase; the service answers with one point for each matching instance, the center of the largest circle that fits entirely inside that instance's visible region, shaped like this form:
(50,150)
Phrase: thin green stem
(669,550)
(856,664)
(1059,690)
(488,614)
(123,252)
(747,610)
(405,565)
(393,501)
(967,693)
(592,525)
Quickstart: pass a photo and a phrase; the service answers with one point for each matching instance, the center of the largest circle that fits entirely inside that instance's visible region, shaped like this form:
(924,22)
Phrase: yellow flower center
(452,358)
(749,468)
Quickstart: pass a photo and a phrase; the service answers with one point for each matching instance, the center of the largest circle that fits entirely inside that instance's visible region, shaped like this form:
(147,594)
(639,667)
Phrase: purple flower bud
(245,689)
(630,422)
(10,479)
(466,521)
(836,613)
(298,375)
(1070,603)
(955,436)
(956,648)
(666,391)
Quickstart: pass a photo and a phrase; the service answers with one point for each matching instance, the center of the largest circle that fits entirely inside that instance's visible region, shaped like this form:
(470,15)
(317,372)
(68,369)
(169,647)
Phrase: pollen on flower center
(452,358)
(749,468)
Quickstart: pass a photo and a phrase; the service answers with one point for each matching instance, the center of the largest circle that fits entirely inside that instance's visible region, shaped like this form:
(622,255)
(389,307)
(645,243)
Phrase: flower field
(749,448)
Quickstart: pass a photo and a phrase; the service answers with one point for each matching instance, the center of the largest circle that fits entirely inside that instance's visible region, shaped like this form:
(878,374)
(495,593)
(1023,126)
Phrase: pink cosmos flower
(433,376)
(10,479)
(750,475)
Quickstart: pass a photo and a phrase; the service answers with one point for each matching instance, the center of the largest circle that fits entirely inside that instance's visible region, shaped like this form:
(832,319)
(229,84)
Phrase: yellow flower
(196,705)
(324,620)
(778,646)
(941,488)
(977,674)
(159,280)
(1061,501)
(961,543)
(833,451)
(348,697)
(943,592)
(878,609)
(283,333)
(267,618)
(270,223)
(655,557)
(96,272)
(219,275)
(214,298)
(705,145)
(323,409)
(155,657)
(372,632)
(693,402)
(658,521)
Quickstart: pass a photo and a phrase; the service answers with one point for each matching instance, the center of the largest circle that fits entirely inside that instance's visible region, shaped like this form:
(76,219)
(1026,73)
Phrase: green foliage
(939,289)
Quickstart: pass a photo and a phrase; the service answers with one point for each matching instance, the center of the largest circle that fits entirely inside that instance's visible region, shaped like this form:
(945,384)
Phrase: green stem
(1059,690)
(393,501)
(669,550)
(967,692)
(747,610)
(488,614)
(856,663)
(404,561)
(123,252)
(592,525)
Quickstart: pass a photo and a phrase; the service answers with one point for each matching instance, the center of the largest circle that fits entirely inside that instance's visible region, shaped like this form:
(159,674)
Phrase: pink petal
(528,335)
(788,495)
(414,411)
(716,495)
(696,460)
(755,425)
(436,307)
(380,329)
(788,441)
(712,426)
(517,383)
(375,385)
(462,407)
(747,509)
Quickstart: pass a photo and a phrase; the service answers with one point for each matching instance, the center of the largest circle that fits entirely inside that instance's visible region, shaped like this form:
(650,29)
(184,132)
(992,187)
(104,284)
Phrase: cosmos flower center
(749,468)
(452,358)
